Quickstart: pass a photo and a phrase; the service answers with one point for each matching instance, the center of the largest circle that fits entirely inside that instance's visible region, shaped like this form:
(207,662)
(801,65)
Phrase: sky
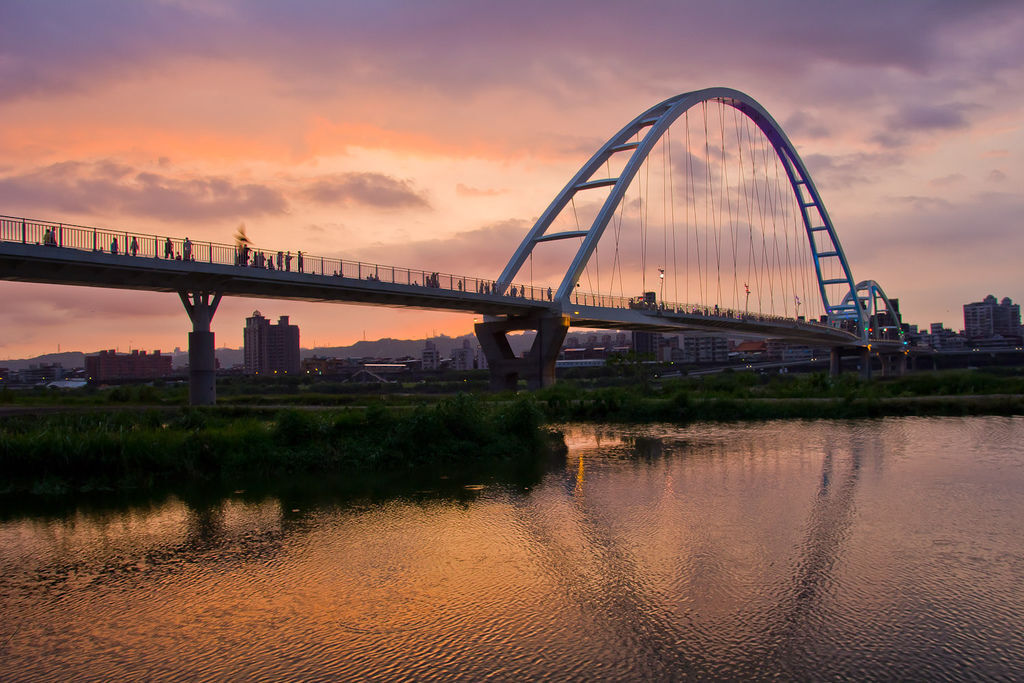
(434,134)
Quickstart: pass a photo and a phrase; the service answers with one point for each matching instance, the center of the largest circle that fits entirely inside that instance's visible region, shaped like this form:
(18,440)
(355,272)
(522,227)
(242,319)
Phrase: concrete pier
(537,367)
(202,363)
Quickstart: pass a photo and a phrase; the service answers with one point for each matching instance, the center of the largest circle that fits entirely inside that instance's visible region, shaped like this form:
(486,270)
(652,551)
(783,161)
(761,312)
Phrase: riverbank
(89,451)
(681,407)
(47,447)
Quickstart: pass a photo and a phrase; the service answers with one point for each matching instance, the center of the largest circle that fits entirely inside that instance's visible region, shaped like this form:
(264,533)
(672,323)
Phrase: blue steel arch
(868,295)
(649,128)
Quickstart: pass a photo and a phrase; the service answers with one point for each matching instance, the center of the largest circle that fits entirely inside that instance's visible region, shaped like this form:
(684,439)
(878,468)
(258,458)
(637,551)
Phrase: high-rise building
(705,350)
(987,318)
(646,343)
(462,359)
(431,357)
(270,349)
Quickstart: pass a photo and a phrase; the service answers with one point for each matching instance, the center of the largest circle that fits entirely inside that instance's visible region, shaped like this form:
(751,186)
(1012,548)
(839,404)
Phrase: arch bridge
(731,202)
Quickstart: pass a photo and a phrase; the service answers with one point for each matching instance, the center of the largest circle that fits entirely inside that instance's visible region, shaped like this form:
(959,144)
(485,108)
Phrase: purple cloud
(469,43)
(368,189)
(107,187)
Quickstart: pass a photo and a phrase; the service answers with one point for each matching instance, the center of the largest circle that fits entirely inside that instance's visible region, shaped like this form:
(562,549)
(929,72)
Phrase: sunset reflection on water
(801,549)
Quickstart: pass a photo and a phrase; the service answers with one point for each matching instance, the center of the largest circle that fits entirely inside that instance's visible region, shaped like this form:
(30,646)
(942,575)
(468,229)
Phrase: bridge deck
(35,251)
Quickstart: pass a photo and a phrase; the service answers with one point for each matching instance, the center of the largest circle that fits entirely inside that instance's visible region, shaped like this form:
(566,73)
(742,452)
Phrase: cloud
(467,191)
(367,189)
(482,252)
(107,187)
(927,117)
(924,204)
(314,46)
(947,180)
(802,125)
(995,176)
(842,171)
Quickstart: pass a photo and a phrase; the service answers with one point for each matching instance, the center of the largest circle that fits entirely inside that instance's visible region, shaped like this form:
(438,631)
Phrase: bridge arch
(881,320)
(639,137)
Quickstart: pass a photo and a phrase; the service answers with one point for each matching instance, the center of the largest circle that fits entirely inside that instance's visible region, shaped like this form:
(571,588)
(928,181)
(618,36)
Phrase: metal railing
(146,246)
(143,246)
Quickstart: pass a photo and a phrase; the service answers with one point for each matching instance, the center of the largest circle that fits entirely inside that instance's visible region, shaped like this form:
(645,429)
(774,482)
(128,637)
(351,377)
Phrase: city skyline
(334,135)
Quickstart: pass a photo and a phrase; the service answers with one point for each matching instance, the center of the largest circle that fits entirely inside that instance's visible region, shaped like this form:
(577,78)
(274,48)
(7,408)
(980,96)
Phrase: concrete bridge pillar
(893,364)
(537,367)
(835,361)
(865,363)
(202,364)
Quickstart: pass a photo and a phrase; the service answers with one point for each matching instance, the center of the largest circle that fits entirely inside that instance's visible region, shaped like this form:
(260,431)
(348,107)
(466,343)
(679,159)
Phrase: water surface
(869,549)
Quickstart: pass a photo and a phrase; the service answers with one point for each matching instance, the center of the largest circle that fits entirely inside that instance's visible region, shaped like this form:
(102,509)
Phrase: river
(868,549)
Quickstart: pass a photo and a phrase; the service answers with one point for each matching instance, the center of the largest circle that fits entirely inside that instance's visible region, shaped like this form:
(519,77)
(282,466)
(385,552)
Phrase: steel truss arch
(869,293)
(648,128)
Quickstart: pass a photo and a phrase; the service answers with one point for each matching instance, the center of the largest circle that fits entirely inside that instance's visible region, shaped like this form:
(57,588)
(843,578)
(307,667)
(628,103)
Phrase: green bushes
(747,396)
(144,449)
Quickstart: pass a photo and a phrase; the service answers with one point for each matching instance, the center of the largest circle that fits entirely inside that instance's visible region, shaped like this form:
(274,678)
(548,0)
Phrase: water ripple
(873,549)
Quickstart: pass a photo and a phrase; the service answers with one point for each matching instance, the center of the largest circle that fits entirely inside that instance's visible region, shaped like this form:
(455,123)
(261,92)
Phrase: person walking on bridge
(134,246)
(186,250)
(168,248)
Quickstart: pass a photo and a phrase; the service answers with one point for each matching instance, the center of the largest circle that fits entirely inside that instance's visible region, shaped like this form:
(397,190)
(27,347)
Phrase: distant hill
(381,348)
(398,348)
(67,359)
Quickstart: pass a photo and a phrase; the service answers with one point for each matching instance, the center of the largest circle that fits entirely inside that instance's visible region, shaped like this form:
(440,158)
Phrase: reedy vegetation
(120,449)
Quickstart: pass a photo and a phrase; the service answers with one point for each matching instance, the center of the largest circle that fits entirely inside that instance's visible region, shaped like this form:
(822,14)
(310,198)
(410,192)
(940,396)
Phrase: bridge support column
(537,367)
(865,364)
(835,362)
(893,364)
(202,363)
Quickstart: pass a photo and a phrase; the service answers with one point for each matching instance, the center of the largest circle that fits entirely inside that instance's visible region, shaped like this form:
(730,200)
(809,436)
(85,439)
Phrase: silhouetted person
(288,261)
(299,262)
(113,246)
(168,248)
(187,249)
(134,246)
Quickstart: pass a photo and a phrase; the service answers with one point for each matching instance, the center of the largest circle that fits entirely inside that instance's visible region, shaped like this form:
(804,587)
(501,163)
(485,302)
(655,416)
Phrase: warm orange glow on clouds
(433,136)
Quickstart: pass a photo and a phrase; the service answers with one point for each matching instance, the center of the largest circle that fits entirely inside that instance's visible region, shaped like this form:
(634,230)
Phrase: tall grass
(145,449)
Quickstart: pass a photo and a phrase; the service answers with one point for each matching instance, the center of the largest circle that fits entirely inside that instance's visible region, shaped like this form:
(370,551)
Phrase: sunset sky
(432,134)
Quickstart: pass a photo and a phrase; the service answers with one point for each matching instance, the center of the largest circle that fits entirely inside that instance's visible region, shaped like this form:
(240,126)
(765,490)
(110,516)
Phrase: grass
(141,436)
(145,449)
